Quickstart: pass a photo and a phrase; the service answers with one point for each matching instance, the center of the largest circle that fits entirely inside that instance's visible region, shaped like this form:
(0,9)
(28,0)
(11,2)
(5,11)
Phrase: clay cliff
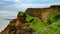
(15,25)
(42,12)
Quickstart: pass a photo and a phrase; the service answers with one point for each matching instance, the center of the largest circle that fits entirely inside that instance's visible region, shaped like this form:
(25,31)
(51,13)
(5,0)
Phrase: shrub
(20,13)
(35,22)
(52,29)
(11,24)
(52,17)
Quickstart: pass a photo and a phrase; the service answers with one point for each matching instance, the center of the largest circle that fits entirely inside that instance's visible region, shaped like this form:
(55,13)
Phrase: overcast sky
(17,5)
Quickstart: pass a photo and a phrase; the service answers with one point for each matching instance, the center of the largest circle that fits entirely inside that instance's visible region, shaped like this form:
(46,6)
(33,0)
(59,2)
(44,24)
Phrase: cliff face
(42,12)
(16,25)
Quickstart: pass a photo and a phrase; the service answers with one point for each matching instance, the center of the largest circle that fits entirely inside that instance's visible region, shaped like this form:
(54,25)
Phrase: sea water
(5,17)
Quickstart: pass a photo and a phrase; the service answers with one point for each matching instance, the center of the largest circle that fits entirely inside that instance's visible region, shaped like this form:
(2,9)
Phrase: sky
(21,5)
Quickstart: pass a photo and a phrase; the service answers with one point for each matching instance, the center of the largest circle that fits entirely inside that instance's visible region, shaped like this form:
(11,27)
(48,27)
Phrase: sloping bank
(23,24)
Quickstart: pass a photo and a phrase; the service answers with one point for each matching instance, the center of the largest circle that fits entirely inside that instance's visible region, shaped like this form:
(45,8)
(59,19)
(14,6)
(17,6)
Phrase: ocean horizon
(5,17)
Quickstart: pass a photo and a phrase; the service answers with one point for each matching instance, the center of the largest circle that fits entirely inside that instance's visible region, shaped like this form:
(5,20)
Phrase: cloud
(31,5)
(23,4)
(1,2)
(46,0)
(7,13)
(27,1)
(16,0)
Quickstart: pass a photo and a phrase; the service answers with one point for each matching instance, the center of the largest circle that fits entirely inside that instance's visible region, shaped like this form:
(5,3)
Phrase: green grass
(52,17)
(55,23)
(55,26)
(20,13)
(11,24)
(52,29)
(53,20)
(28,18)
(36,24)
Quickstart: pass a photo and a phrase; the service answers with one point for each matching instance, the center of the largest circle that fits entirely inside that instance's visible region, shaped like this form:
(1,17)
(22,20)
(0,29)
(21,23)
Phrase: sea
(5,17)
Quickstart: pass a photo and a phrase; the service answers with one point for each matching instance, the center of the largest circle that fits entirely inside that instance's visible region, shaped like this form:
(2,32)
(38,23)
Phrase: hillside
(35,21)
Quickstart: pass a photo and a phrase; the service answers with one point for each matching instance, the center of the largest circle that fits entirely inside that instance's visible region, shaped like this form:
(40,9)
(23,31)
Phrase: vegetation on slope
(53,22)
(52,17)
(54,28)
(35,22)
